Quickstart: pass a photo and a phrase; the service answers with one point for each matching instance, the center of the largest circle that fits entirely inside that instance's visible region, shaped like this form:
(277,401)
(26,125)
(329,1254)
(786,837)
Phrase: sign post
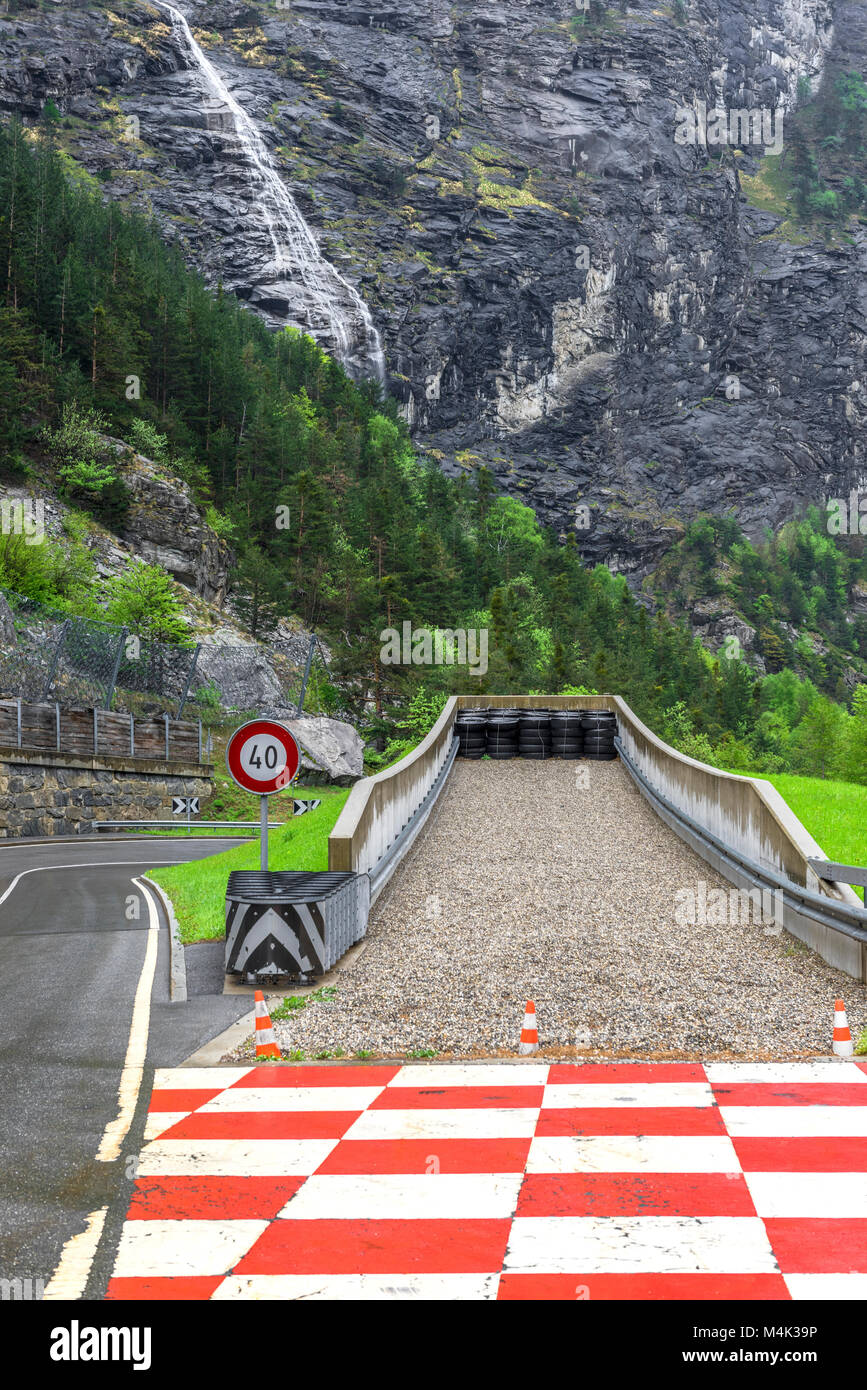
(263,757)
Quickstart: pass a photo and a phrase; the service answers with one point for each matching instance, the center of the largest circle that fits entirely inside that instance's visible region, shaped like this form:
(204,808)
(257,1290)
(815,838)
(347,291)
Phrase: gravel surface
(525,884)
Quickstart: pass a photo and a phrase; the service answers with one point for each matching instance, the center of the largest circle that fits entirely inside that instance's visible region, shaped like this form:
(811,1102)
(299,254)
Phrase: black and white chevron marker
(299,807)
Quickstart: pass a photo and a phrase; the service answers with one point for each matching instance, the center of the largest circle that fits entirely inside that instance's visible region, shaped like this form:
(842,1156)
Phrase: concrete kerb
(177,963)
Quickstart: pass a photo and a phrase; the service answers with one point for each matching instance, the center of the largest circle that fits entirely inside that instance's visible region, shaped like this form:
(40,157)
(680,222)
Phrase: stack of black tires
(502,733)
(534,733)
(470,729)
(600,729)
(567,733)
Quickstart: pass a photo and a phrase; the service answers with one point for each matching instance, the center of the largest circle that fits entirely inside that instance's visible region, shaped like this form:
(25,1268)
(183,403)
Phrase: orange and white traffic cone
(842,1036)
(265,1044)
(529,1037)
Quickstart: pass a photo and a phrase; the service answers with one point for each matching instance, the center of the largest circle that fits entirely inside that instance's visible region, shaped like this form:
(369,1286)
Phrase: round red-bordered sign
(262,756)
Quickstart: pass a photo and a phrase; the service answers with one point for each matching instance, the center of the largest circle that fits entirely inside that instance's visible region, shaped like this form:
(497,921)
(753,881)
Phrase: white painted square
(167,1249)
(197,1078)
(403,1197)
(809,1195)
(283,1098)
(158,1121)
(491,1075)
(789,1073)
(795,1121)
(628,1153)
(827,1288)
(233,1158)
(483,1123)
(639,1245)
(287,1288)
(641,1094)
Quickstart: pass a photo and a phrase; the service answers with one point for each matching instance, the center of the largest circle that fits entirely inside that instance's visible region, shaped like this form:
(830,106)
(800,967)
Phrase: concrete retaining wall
(65,795)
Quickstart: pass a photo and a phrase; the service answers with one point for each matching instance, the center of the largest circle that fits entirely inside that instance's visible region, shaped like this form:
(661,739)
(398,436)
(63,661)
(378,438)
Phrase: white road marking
(102,864)
(809,1196)
(783,1073)
(343,1287)
(795,1121)
(286,1098)
(638,1245)
(136,1053)
(444,1124)
(406,1196)
(825,1287)
(632,1153)
(233,1158)
(197,1078)
(162,1249)
(69,1280)
(610,1095)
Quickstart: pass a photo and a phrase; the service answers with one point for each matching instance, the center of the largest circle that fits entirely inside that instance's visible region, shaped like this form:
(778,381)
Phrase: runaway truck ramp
(556,881)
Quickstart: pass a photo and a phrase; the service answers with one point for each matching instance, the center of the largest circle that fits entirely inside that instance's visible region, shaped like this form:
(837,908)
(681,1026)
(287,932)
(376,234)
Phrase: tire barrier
(290,922)
(600,730)
(536,733)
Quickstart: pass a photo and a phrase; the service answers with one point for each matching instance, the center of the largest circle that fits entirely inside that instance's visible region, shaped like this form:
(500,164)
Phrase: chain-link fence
(47,655)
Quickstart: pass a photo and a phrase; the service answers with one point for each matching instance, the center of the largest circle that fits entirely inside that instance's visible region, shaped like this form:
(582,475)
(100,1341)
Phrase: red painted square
(459,1098)
(210,1198)
(777,1093)
(609,1073)
(419,1156)
(164,1101)
(342,1074)
(264,1124)
(330,1246)
(634,1194)
(802,1155)
(631,1119)
(188,1286)
(820,1245)
(642,1287)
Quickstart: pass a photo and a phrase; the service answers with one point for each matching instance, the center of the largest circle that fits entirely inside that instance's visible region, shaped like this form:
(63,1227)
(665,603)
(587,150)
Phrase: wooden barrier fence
(98,733)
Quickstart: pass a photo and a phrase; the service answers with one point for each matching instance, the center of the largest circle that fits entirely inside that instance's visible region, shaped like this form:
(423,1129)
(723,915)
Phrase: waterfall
(311,294)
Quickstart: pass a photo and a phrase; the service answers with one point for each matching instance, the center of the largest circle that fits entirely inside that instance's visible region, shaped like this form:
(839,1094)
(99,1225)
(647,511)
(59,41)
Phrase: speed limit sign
(262,757)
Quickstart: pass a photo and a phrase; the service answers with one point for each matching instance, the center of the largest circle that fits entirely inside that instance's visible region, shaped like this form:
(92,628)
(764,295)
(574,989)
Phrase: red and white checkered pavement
(492,1180)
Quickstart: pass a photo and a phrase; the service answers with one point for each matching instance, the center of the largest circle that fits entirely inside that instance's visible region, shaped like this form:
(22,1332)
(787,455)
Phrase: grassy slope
(835,813)
(198,890)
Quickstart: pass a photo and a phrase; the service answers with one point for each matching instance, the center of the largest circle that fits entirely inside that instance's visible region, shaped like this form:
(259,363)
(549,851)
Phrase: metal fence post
(55,659)
(166,718)
(95,731)
(132,735)
(19,721)
(57,723)
(200,740)
(190,674)
(306,674)
(121,643)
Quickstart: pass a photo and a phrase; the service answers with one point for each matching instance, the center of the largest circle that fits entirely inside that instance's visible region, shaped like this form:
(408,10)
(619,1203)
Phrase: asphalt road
(70,965)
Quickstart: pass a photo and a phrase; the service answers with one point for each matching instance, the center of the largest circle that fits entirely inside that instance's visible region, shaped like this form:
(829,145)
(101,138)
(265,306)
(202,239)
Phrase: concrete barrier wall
(747,813)
(379,807)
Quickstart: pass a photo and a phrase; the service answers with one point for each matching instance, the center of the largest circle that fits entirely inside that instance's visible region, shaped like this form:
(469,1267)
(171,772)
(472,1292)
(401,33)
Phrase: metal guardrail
(179,824)
(839,873)
(385,867)
(799,902)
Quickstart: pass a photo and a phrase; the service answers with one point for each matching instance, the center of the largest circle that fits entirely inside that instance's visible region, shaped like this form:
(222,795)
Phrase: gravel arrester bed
(524,884)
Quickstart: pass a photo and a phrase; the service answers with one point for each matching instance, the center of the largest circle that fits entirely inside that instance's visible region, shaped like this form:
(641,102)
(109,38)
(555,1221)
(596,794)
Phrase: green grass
(198,890)
(835,813)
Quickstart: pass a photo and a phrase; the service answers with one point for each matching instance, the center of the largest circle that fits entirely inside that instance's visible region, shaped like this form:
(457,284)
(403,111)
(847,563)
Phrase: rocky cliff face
(563,289)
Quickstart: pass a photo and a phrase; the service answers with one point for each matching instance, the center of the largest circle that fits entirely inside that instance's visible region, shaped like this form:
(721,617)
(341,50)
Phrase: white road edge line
(102,864)
(133,1068)
(69,1280)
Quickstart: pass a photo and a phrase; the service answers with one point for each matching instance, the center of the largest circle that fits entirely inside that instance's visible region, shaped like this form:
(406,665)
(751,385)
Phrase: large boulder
(329,748)
(241,672)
